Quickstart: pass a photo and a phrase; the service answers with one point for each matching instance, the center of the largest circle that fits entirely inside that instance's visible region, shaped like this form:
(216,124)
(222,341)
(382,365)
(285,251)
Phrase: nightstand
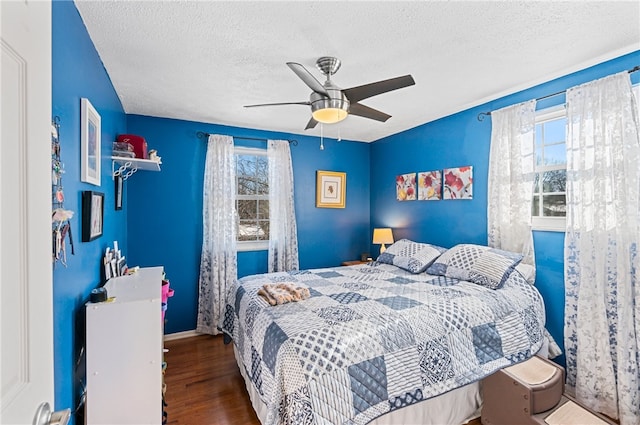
(354,262)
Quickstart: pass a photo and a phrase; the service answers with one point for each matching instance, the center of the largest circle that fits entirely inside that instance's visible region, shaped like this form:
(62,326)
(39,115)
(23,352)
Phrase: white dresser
(124,351)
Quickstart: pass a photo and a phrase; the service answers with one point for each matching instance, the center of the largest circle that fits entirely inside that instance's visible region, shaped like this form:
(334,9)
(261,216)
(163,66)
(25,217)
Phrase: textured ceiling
(202,61)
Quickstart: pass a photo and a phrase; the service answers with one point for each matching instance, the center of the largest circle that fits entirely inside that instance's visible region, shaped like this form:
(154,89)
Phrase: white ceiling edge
(548,78)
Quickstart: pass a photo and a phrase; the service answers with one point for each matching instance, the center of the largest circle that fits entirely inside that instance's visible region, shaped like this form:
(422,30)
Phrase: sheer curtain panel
(283,234)
(602,309)
(511,175)
(218,262)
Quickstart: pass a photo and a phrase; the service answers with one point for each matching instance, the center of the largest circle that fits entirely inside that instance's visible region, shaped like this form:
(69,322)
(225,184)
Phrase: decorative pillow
(411,256)
(485,266)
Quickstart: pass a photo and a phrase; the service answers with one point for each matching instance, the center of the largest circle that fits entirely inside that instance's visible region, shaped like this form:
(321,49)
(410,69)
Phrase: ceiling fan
(331,104)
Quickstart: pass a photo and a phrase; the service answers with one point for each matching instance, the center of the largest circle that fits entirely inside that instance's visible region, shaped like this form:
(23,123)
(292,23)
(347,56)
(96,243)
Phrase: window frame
(256,245)
(549,224)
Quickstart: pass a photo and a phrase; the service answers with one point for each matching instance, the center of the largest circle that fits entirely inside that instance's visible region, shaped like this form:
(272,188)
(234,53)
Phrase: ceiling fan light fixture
(329,110)
(329,115)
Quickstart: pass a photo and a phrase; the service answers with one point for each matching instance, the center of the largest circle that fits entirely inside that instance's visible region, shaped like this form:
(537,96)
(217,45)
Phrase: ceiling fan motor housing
(330,109)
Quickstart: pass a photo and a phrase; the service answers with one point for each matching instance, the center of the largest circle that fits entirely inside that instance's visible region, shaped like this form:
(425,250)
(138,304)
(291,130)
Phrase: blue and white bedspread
(374,338)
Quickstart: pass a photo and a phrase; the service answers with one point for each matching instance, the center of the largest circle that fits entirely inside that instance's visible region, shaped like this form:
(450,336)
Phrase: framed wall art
(458,182)
(330,189)
(89,143)
(406,187)
(430,185)
(92,215)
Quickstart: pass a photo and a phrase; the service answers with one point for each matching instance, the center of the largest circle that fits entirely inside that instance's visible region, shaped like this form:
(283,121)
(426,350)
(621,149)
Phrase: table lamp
(382,236)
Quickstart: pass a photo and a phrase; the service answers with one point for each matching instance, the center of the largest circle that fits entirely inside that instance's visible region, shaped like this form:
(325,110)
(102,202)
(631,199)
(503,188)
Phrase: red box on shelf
(138,143)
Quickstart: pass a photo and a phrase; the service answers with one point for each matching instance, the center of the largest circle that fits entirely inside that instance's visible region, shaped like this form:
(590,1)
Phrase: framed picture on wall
(458,182)
(92,215)
(330,189)
(89,143)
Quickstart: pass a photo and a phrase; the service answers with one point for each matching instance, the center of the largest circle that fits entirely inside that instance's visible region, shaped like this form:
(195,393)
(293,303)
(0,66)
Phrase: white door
(26,318)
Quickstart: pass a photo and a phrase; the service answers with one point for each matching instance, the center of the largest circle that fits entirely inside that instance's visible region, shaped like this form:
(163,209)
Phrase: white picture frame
(90,152)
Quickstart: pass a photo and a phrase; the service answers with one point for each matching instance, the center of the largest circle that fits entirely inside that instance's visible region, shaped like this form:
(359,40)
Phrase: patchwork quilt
(373,338)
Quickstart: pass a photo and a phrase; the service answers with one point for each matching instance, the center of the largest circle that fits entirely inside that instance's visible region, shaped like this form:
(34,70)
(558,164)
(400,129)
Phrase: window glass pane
(246,165)
(262,175)
(536,183)
(249,230)
(539,133)
(264,230)
(263,210)
(555,154)
(246,171)
(554,206)
(246,185)
(554,131)
(554,181)
(252,186)
(247,209)
(539,155)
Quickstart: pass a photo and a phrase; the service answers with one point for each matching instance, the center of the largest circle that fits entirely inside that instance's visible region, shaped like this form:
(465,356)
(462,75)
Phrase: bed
(404,339)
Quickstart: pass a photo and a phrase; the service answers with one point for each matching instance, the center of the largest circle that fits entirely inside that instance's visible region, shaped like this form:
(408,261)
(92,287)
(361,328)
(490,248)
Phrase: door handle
(44,416)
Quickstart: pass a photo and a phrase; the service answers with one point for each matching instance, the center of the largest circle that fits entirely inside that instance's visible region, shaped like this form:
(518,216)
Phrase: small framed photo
(118,189)
(89,143)
(92,215)
(330,189)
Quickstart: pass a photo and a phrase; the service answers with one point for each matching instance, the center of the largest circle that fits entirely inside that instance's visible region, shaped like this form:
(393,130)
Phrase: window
(549,205)
(252,199)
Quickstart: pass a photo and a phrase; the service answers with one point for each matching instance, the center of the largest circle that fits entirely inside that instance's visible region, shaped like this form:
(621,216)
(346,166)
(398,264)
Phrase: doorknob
(44,416)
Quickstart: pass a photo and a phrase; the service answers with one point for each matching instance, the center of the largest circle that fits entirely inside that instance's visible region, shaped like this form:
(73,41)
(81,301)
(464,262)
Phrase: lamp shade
(382,236)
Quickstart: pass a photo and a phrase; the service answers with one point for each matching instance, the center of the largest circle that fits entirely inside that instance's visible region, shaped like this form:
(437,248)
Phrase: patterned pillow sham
(414,257)
(485,266)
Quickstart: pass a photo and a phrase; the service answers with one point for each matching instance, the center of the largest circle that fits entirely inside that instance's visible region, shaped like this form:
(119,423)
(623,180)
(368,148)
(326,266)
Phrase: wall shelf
(126,167)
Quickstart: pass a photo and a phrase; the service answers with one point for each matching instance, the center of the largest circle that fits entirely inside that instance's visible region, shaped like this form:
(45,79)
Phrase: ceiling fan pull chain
(321,137)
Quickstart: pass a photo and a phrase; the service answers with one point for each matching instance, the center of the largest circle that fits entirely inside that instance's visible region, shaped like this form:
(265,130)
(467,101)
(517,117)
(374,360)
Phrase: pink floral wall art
(458,183)
(429,186)
(406,187)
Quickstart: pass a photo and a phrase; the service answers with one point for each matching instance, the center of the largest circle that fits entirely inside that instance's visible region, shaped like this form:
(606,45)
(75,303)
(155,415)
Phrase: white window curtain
(602,265)
(511,175)
(283,234)
(218,262)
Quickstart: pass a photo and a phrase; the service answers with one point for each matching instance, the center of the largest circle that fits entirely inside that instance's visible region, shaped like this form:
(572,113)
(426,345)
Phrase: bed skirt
(455,407)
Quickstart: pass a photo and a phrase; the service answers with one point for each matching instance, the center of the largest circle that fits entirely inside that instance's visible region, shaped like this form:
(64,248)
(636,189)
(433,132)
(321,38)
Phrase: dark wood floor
(204,385)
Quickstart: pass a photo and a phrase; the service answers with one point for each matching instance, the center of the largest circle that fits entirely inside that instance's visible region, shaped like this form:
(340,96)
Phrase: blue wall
(77,72)
(460,140)
(165,208)
(160,223)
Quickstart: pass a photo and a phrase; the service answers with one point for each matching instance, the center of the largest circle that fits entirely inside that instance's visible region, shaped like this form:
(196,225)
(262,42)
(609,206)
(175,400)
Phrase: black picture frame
(118,190)
(92,215)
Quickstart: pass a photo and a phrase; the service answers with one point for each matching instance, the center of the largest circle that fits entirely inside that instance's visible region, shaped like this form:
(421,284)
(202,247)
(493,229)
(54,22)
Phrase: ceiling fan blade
(308,78)
(367,112)
(311,124)
(278,104)
(356,94)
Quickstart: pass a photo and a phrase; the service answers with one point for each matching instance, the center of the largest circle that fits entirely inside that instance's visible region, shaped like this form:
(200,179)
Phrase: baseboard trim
(181,335)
